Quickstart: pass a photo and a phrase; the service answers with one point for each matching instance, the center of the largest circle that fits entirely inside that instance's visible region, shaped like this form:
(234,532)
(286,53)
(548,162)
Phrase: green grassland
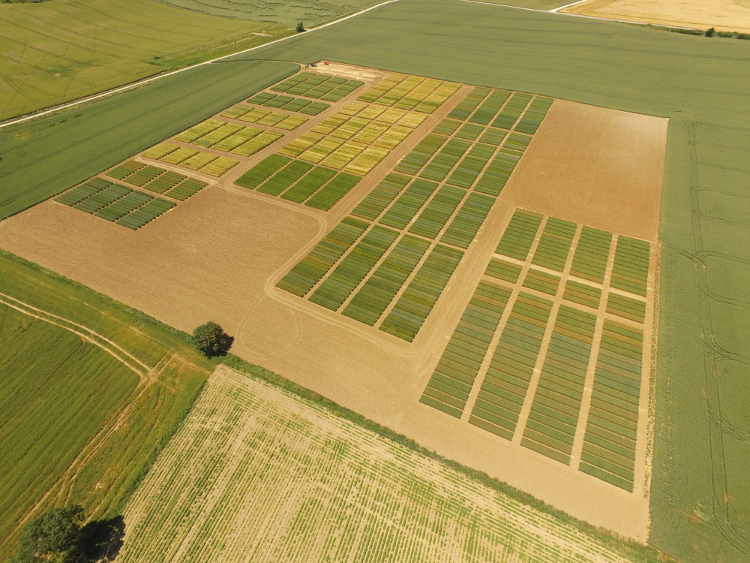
(545,5)
(58,51)
(311,12)
(700,496)
(62,397)
(43,157)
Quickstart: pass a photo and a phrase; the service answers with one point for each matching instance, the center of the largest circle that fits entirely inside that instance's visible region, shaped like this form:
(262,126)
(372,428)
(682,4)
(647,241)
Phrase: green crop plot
(448,127)
(592,251)
(261,171)
(630,271)
(512,111)
(381,197)
(317,86)
(418,157)
(553,418)
(84,191)
(330,195)
(490,107)
(200,130)
(123,206)
(611,429)
(410,92)
(186,189)
(517,142)
(146,214)
(144,176)
(378,291)
(445,160)
(103,198)
(626,307)
(468,220)
(468,131)
(519,234)
(467,106)
(434,217)
(502,270)
(350,272)
(416,303)
(301,279)
(468,170)
(541,281)
(285,177)
(307,186)
(507,380)
(493,136)
(125,170)
(408,204)
(453,379)
(532,119)
(496,176)
(554,245)
(165,182)
(583,294)
(288,103)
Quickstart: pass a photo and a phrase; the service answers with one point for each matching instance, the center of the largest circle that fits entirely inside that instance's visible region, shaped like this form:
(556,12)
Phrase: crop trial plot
(541,308)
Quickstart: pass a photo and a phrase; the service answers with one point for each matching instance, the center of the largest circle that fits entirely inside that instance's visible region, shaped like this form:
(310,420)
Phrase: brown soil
(725,15)
(218,255)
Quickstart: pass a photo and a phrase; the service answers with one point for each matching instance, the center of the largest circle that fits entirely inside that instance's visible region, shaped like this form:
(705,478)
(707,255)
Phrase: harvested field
(253,241)
(727,15)
(322,488)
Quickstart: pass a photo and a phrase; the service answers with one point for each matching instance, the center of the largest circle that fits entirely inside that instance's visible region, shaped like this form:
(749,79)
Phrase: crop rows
(512,111)
(519,234)
(416,303)
(496,176)
(553,419)
(611,430)
(186,189)
(265,117)
(423,95)
(102,198)
(328,88)
(630,271)
(468,131)
(534,116)
(207,163)
(165,182)
(125,170)
(554,244)
(541,281)
(146,213)
(381,197)
(419,155)
(301,279)
(445,160)
(506,383)
(468,220)
(467,106)
(121,207)
(288,103)
(502,270)
(517,142)
(261,171)
(490,107)
(400,214)
(451,383)
(350,272)
(309,184)
(376,294)
(582,294)
(337,188)
(144,176)
(592,252)
(468,170)
(626,307)
(434,217)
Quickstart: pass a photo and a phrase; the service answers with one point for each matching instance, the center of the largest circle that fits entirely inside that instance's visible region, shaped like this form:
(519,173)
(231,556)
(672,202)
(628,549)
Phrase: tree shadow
(102,539)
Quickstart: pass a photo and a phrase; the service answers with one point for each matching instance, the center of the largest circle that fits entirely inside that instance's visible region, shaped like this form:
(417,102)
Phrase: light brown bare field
(218,256)
(725,15)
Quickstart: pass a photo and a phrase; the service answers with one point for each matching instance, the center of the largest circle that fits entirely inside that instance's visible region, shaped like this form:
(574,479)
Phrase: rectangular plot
(219,166)
(418,94)
(285,177)
(308,185)
(446,159)
(176,157)
(498,172)
(296,104)
(512,111)
(301,144)
(503,270)
(277,101)
(314,108)
(342,156)
(123,206)
(470,131)
(626,307)
(255,114)
(261,171)
(236,112)
(554,245)
(582,293)
(79,193)
(352,270)
(416,303)
(262,97)
(468,170)
(291,122)
(630,270)
(103,198)
(165,182)
(187,189)
(381,88)
(370,132)
(198,160)
(534,115)
(258,143)
(493,136)
(272,119)
(321,149)
(487,306)
(517,142)
(592,251)
(392,137)
(467,106)
(218,134)
(447,127)
(419,155)
(144,175)
(490,107)
(301,279)
(400,90)
(199,130)
(337,188)
(519,234)
(391,116)
(468,220)
(406,207)
(366,161)
(438,97)
(434,217)
(160,150)
(379,198)
(146,213)
(125,170)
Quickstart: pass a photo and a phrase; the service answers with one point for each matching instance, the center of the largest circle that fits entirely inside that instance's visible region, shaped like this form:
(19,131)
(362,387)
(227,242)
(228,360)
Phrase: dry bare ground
(726,15)
(218,256)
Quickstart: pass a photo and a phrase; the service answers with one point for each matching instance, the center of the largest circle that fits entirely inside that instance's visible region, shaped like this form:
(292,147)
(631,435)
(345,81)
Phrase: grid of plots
(288,103)
(417,226)
(561,309)
(318,86)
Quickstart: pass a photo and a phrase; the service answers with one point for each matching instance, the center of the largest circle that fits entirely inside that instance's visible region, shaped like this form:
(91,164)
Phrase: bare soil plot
(726,15)
(219,255)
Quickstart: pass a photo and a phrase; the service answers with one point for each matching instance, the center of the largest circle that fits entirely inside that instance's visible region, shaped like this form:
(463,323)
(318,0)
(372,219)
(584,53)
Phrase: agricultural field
(290,481)
(92,390)
(63,50)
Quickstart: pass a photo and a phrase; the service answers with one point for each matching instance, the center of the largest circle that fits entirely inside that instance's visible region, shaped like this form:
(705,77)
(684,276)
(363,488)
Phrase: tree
(52,537)
(300,27)
(710,32)
(211,339)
